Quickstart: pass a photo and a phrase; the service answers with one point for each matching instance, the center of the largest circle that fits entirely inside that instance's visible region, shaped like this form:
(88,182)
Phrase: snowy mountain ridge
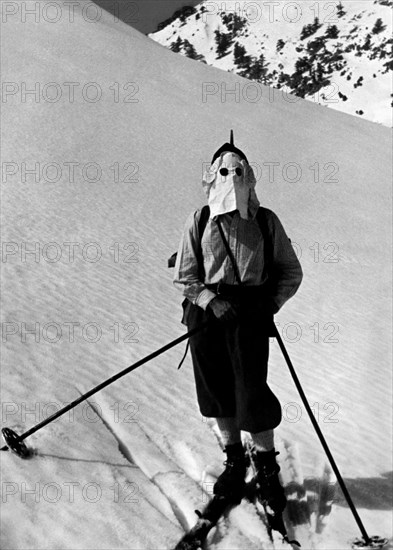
(337,54)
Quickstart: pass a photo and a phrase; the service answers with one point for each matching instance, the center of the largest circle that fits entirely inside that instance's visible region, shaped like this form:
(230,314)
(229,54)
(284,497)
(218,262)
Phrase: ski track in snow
(244,520)
(180,490)
(158,468)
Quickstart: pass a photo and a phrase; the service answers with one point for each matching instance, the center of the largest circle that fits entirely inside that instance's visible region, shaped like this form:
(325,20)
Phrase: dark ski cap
(229,148)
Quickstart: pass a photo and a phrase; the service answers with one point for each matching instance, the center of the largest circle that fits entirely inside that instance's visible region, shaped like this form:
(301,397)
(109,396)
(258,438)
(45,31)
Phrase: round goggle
(225,171)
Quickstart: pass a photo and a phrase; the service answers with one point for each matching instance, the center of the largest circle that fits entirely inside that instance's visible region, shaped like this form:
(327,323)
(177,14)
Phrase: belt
(239,291)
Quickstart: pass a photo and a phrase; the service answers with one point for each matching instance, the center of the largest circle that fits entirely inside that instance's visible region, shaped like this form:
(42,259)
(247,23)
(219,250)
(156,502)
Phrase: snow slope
(332,53)
(124,470)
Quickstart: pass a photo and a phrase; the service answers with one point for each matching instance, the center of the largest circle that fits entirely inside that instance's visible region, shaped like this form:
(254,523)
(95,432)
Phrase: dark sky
(144,15)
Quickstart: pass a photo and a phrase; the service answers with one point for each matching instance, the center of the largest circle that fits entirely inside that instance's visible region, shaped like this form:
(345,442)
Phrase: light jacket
(247,245)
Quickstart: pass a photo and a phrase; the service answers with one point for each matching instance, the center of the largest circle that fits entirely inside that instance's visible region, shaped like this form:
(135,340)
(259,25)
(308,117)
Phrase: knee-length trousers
(230,361)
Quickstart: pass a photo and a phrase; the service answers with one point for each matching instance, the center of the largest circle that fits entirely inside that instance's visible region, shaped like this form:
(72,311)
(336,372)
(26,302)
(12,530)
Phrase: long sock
(264,441)
(229,430)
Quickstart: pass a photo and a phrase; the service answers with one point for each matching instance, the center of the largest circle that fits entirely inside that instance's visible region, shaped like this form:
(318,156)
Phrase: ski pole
(14,441)
(321,437)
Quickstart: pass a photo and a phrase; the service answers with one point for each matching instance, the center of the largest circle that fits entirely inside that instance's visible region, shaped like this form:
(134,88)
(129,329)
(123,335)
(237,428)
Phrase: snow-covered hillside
(117,168)
(337,54)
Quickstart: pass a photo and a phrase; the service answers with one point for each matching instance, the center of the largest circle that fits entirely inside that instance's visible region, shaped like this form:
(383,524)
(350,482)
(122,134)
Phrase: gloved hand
(222,309)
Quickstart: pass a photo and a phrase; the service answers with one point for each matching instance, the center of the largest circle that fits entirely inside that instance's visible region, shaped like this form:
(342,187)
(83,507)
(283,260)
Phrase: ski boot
(230,484)
(271,493)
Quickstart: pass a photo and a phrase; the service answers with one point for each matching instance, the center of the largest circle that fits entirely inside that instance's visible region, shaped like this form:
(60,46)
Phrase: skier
(222,270)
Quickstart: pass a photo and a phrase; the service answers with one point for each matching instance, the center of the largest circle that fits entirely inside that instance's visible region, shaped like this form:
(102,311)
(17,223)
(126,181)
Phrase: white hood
(229,184)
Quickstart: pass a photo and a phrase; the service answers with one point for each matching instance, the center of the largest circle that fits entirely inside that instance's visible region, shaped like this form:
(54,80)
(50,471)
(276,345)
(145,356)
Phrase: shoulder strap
(267,237)
(205,213)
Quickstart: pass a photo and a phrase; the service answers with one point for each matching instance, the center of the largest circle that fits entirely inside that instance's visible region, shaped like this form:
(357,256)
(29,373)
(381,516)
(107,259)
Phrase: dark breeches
(230,363)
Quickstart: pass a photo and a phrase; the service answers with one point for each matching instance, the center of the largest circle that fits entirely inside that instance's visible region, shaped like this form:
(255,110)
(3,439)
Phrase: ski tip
(372,543)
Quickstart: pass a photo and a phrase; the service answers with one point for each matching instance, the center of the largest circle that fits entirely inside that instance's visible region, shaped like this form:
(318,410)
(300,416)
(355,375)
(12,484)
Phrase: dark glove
(222,309)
